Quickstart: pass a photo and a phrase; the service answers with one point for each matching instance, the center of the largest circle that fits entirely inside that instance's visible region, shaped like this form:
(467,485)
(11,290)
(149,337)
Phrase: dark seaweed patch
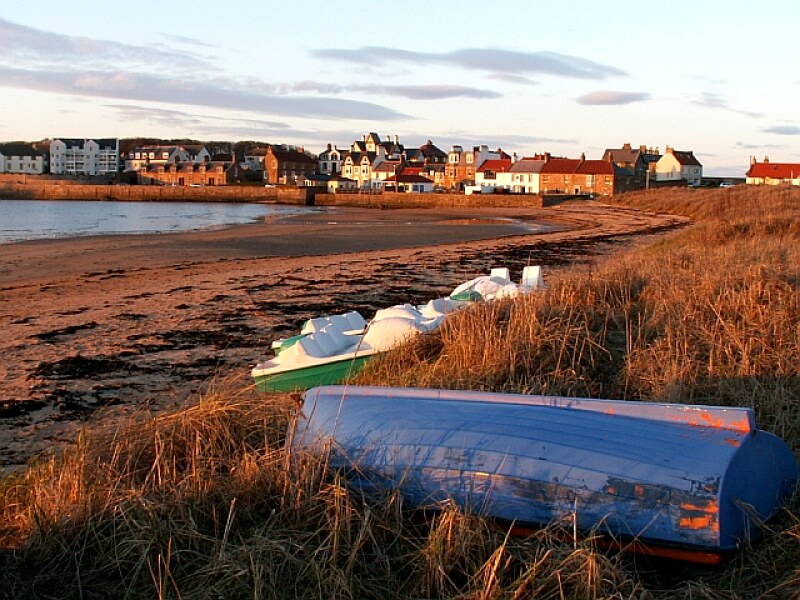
(79,367)
(64,331)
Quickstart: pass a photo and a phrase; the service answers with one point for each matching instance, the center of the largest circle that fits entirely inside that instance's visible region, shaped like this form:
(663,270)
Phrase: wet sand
(99,328)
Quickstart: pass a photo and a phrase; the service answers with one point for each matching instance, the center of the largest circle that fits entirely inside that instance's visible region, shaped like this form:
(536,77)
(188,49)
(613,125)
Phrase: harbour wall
(12,187)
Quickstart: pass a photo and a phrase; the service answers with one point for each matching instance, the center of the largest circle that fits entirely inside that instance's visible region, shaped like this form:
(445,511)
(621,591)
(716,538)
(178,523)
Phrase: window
(469,158)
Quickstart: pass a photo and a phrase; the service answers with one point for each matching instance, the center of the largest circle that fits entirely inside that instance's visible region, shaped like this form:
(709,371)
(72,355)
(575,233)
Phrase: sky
(715,77)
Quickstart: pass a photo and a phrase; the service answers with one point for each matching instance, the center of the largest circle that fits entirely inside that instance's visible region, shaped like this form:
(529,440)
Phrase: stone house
(284,164)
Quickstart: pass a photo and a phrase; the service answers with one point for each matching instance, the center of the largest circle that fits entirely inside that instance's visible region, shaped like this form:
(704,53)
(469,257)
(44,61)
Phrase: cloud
(506,141)
(25,46)
(169,117)
(187,41)
(413,92)
(217,93)
(511,78)
(750,146)
(715,101)
(609,97)
(783,130)
(478,59)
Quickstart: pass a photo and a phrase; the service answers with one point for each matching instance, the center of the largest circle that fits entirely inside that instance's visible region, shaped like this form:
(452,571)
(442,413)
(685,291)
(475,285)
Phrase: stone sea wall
(15,187)
(152,193)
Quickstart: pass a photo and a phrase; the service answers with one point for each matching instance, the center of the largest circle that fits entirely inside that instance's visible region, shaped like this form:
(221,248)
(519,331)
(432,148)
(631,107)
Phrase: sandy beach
(99,328)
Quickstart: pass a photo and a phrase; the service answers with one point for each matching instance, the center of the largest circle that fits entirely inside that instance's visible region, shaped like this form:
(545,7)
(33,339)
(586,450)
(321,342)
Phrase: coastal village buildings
(208,173)
(639,161)
(579,176)
(254,159)
(285,164)
(524,176)
(371,164)
(410,183)
(23,159)
(772,173)
(84,157)
(679,165)
(462,164)
(329,161)
(486,176)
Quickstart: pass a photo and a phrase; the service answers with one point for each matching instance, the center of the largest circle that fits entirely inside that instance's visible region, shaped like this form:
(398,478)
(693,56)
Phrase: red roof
(498,165)
(596,167)
(411,170)
(774,170)
(561,165)
(405,178)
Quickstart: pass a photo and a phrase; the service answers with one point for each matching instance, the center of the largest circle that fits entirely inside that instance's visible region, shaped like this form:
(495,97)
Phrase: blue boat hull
(672,475)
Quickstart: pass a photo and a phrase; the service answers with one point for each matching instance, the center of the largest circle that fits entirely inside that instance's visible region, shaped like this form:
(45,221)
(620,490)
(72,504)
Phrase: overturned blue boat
(689,482)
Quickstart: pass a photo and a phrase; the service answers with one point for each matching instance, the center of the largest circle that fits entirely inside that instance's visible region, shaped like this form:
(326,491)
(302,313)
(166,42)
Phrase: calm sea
(41,219)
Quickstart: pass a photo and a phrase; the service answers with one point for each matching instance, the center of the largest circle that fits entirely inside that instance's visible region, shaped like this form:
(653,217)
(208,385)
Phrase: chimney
(546,157)
(396,139)
(752,160)
(668,150)
(626,146)
(514,158)
(583,156)
(643,149)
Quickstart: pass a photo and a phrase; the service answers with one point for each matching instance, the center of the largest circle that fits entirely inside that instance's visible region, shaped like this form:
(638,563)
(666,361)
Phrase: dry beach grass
(205,502)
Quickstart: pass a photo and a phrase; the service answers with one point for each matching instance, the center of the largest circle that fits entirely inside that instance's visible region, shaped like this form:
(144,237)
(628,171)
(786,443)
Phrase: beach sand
(101,328)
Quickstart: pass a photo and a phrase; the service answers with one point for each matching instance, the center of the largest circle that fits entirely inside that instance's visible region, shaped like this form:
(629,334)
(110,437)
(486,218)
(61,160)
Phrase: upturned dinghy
(684,481)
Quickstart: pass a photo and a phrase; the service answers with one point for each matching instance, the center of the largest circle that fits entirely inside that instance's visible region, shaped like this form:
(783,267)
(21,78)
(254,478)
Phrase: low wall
(65,189)
(152,193)
(401,200)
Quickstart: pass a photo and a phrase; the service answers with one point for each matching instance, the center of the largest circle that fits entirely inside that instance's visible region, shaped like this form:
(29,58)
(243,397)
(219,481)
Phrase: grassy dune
(205,503)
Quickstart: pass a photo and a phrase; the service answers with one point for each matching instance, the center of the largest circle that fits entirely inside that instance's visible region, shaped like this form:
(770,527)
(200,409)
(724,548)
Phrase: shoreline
(99,329)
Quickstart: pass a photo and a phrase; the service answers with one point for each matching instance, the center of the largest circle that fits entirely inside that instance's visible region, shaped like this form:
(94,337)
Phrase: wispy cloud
(506,141)
(413,92)
(488,60)
(716,101)
(25,46)
(216,93)
(751,146)
(80,66)
(167,117)
(512,78)
(783,130)
(610,97)
(187,41)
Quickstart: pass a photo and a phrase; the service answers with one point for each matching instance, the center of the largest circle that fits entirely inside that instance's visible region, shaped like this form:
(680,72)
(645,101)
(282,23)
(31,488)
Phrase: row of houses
(375,164)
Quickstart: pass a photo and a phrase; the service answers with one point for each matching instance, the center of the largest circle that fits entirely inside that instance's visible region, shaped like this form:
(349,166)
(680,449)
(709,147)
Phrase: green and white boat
(332,349)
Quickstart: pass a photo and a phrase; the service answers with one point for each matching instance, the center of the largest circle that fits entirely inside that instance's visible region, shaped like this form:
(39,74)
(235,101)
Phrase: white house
(409,183)
(330,160)
(22,159)
(772,173)
(675,165)
(84,157)
(489,171)
(523,177)
(157,155)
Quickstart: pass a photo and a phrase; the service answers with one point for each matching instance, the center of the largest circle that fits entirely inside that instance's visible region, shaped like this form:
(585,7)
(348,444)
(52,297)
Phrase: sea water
(43,219)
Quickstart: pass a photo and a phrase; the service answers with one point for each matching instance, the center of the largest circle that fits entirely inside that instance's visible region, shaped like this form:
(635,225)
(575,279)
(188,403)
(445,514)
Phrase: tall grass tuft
(207,502)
